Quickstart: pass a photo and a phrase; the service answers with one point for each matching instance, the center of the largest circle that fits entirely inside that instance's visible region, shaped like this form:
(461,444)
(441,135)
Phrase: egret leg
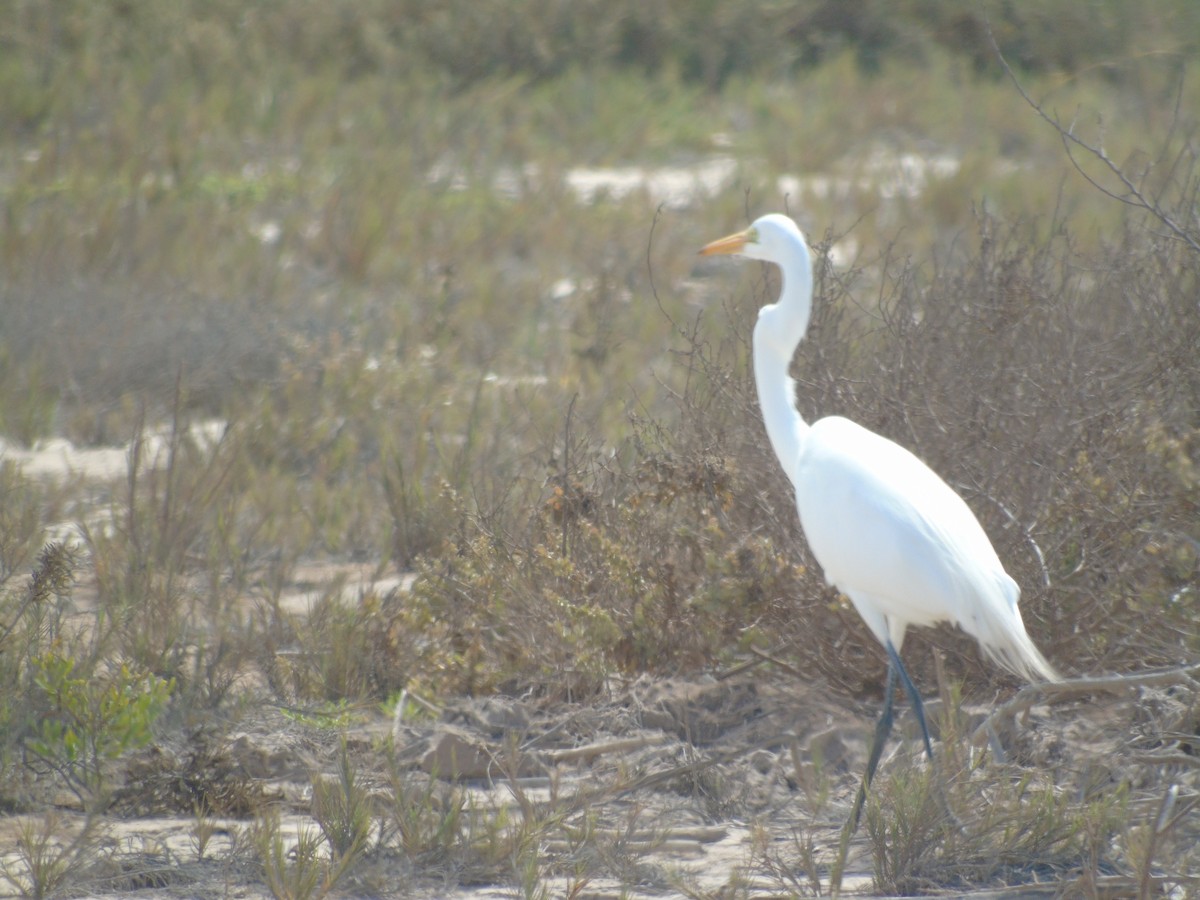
(913,695)
(919,709)
(882,728)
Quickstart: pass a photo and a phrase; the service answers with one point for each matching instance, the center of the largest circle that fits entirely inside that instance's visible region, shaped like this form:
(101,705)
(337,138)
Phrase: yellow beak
(735,243)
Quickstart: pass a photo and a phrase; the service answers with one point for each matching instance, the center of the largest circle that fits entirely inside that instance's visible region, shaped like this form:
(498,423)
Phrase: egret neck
(779,330)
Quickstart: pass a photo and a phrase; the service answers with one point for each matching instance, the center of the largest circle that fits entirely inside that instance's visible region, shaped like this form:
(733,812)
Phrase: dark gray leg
(882,729)
(913,696)
(884,726)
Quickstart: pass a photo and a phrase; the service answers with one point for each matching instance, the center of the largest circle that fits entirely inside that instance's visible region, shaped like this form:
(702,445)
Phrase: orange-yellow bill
(734,243)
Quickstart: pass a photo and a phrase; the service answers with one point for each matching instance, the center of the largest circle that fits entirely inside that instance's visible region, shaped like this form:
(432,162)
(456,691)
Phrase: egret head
(774,238)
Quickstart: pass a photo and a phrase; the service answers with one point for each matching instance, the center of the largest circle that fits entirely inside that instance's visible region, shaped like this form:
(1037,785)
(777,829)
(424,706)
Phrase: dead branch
(1108,684)
(588,752)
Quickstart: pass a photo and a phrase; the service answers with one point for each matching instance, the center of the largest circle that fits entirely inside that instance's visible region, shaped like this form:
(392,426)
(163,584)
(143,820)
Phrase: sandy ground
(704,787)
(672,779)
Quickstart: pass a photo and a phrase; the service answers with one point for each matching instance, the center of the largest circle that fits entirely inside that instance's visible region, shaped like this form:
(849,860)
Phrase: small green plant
(428,817)
(295,870)
(291,873)
(31,617)
(89,721)
(326,716)
(342,655)
(342,808)
(203,829)
(47,854)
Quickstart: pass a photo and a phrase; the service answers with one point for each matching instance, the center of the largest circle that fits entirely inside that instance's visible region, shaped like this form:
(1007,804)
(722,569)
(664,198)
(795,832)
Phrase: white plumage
(886,530)
(903,546)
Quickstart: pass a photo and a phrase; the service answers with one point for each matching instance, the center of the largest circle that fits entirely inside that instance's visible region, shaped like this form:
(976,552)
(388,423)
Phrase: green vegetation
(87,723)
(335,274)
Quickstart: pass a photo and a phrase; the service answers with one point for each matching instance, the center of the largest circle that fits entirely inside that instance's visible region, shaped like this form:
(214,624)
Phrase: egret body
(886,530)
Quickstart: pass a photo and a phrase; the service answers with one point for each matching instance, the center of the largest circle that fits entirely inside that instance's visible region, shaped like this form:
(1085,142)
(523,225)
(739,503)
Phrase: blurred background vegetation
(348,231)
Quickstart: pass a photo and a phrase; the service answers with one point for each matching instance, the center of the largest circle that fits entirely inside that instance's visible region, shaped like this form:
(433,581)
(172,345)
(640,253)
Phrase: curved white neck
(779,330)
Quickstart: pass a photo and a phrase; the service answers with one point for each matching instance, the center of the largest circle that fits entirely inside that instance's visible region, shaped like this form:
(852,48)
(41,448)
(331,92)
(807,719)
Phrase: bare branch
(650,262)
(1111,684)
(1072,143)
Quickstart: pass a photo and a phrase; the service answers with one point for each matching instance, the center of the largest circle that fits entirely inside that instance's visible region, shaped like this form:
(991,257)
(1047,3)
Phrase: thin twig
(1134,198)
(650,271)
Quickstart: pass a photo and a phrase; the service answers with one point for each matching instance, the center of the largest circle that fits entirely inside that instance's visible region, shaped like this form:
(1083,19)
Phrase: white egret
(887,531)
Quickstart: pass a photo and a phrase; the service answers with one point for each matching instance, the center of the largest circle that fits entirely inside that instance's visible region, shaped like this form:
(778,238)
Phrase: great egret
(886,530)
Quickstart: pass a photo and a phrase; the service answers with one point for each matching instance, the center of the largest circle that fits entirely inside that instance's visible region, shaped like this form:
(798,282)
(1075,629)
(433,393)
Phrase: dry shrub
(638,561)
(1022,832)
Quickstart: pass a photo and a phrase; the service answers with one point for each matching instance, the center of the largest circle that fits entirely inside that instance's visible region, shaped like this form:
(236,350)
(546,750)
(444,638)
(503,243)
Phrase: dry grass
(348,236)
